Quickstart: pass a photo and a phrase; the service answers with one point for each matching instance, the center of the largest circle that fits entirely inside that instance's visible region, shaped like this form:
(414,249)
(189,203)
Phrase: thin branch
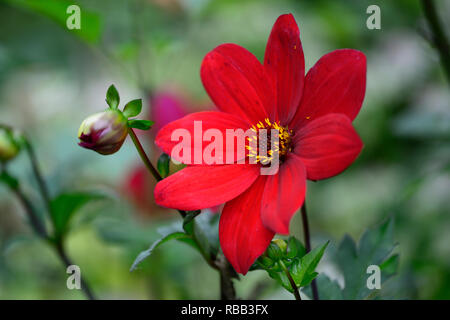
(43,189)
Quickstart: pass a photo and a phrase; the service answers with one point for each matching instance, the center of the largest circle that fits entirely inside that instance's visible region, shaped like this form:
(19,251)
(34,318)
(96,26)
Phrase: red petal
(243,237)
(336,84)
(200,187)
(209,120)
(327,146)
(284,195)
(285,62)
(237,82)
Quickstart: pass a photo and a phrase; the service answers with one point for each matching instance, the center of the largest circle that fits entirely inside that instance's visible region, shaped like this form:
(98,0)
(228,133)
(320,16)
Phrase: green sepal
(132,108)
(140,124)
(112,97)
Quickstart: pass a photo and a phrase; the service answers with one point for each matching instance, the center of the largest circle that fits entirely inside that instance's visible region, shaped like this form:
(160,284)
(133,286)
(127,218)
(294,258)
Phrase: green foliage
(163,165)
(132,108)
(198,231)
(56,10)
(145,254)
(140,124)
(112,97)
(374,248)
(65,206)
(301,265)
(9,180)
(303,270)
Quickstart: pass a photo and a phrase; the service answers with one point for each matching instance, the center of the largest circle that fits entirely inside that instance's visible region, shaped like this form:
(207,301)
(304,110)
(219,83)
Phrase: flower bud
(103,132)
(276,249)
(9,148)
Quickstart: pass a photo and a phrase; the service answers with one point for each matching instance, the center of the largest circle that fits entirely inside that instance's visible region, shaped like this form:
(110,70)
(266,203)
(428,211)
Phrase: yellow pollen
(281,147)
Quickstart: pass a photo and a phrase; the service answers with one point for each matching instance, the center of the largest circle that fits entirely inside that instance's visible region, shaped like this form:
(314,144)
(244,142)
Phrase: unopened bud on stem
(103,132)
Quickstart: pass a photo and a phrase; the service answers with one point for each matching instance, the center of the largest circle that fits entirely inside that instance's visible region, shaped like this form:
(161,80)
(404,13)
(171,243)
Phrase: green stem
(307,237)
(144,157)
(39,228)
(439,38)
(291,281)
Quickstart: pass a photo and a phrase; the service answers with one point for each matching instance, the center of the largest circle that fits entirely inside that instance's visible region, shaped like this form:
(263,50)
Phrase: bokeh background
(51,78)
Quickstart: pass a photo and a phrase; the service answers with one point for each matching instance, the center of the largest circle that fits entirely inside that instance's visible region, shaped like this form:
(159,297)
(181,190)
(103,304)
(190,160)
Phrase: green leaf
(140,124)
(56,10)
(145,254)
(64,206)
(374,248)
(132,108)
(303,270)
(206,231)
(112,97)
(188,221)
(163,165)
(10,181)
(295,248)
(329,289)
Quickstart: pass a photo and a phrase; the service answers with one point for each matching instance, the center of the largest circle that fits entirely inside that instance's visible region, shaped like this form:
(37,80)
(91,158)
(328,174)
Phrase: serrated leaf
(145,254)
(132,108)
(65,206)
(112,97)
(140,124)
(374,248)
(303,270)
(163,165)
(328,289)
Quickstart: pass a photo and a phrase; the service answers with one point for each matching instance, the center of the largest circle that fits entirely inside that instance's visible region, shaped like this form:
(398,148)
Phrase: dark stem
(37,173)
(39,228)
(227,291)
(315,291)
(59,246)
(291,281)
(33,218)
(226,284)
(438,37)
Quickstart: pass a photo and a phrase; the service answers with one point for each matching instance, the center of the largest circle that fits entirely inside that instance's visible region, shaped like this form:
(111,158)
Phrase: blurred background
(51,78)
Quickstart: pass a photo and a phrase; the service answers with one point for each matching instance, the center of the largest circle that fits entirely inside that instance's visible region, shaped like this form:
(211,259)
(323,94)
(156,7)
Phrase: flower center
(270,140)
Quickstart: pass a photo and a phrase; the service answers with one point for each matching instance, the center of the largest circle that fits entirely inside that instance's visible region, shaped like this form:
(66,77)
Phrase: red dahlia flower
(315,111)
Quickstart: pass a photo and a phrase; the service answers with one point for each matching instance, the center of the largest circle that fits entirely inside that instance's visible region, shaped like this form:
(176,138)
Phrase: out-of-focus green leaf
(56,10)
(374,248)
(64,206)
(329,289)
(132,108)
(145,254)
(10,181)
(206,231)
(112,97)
